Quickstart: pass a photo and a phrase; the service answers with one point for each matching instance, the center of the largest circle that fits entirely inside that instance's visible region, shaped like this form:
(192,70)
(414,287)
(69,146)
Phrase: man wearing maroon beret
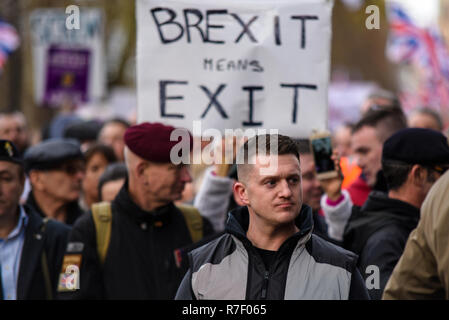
(149,235)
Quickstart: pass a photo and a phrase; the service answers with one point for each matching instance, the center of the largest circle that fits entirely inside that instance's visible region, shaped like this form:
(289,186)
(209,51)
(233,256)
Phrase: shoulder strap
(44,264)
(102,214)
(194,221)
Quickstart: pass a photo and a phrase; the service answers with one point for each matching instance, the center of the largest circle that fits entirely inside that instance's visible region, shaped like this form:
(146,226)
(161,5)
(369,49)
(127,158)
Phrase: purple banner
(67,75)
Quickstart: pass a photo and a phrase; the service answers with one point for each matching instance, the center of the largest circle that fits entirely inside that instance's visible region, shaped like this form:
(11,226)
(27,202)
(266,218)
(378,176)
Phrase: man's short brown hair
(262,144)
(385,119)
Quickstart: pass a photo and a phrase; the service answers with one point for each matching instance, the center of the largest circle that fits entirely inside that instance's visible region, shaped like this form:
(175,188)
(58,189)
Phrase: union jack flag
(426,50)
(9,41)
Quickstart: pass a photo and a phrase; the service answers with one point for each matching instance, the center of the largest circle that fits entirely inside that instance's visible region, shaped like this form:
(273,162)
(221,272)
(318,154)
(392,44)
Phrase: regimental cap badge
(8,152)
(9,149)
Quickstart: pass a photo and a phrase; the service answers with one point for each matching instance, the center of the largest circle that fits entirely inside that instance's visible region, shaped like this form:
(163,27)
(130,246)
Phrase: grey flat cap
(50,154)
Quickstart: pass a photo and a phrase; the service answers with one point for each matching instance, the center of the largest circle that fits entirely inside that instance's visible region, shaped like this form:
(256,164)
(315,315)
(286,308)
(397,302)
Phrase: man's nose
(358,160)
(185,175)
(285,190)
(316,183)
(80,174)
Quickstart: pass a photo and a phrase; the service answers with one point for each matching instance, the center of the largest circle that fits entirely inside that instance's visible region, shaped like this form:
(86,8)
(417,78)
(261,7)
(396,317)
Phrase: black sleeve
(208,229)
(349,234)
(56,243)
(319,224)
(382,252)
(185,288)
(82,241)
(358,289)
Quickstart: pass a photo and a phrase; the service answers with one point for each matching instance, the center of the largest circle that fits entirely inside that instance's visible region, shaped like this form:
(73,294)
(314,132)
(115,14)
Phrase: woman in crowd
(97,157)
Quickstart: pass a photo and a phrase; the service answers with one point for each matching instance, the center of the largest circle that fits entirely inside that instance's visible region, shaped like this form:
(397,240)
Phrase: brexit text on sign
(234,63)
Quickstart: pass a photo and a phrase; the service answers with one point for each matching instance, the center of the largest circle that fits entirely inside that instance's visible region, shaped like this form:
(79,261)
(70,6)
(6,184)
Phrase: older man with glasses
(56,169)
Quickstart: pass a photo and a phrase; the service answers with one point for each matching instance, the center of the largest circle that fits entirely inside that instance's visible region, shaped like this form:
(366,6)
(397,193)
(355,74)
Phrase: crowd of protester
(105,198)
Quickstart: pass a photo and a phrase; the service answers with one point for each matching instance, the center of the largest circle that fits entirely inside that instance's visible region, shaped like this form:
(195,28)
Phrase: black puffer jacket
(377,232)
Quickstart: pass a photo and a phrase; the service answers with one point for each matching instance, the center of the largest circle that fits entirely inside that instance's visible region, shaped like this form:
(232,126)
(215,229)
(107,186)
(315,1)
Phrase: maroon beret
(151,141)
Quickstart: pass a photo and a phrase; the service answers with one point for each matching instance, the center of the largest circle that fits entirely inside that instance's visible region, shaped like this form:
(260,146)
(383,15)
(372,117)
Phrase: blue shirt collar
(21,225)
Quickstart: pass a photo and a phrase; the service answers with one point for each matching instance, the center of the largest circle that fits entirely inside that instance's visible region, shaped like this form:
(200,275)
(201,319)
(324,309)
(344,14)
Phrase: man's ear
(240,193)
(36,180)
(140,168)
(418,175)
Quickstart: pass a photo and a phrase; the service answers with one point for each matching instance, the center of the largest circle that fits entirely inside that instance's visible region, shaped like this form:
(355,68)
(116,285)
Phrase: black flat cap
(50,154)
(417,146)
(9,152)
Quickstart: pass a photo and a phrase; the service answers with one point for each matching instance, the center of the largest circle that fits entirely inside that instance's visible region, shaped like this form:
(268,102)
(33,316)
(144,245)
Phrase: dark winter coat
(52,239)
(143,257)
(378,232)
(304,267)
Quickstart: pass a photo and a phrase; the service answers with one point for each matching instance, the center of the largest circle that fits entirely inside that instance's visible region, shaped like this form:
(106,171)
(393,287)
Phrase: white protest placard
(234,63)
(73,55)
